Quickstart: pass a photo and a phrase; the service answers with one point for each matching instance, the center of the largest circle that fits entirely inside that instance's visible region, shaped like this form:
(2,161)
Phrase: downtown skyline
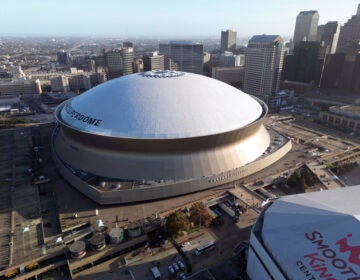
(160,19)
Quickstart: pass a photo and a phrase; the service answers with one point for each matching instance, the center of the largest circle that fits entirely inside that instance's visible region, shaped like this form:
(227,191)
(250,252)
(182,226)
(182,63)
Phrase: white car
(186,244)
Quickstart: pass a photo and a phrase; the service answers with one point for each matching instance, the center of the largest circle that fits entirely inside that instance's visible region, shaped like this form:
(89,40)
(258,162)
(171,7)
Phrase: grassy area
(11,122)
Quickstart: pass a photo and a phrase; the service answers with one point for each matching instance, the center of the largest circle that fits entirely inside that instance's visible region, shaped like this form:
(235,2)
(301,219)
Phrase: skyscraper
(183,56)
(127,55)
(263,64)
(332,70)
(320,31)
(330,36)
(119,62)
(350,35)
(128,45)
(306,26)
(114,64)
(306,64)
(63,57)
(138,65)
(228,40)
(350,73)
(153,61)
(99,62)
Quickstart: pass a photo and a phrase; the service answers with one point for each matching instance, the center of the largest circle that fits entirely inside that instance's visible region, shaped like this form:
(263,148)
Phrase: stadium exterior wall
(171,189)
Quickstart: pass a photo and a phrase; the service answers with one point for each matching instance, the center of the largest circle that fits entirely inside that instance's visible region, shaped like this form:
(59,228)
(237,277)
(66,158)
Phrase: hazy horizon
(162,19)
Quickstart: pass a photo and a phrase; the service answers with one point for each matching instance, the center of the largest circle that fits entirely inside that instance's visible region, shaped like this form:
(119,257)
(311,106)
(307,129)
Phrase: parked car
(171,270)
(176,267)
(181,265)
(185,244)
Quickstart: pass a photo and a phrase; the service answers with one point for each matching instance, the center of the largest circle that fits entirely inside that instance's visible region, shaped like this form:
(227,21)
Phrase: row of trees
(177,222)
(10,122)
(342,167)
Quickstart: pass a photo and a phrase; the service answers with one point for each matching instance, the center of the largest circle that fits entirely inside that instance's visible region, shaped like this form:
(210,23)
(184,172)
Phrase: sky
(162,18)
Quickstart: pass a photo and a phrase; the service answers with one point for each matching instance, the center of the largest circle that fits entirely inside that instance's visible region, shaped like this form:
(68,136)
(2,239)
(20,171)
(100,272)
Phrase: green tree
(176,223)
(302,184)
(199,214)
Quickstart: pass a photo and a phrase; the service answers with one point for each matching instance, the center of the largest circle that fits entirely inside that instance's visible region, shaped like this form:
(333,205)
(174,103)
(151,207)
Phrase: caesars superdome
(159,134)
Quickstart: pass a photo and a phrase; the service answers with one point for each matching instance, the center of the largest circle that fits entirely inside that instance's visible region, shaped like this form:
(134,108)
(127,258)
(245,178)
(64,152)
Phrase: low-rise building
(297,87)
(344,117)
(281,100)
(60,84)
(228,59)
(6,103)
(4,74)
(97,78)
(79,82)
(20,86)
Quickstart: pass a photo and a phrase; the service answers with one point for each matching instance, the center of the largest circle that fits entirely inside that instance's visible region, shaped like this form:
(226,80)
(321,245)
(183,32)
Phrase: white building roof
(148,106)
(321,228)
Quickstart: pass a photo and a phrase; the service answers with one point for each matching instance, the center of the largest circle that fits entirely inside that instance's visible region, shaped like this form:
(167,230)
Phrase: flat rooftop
(351,108)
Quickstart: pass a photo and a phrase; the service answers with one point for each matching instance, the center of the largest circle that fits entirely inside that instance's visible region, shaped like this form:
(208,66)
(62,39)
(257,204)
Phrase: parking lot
(226,236)
(21,231)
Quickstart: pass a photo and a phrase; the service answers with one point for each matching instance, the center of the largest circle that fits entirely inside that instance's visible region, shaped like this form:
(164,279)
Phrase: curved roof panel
(301,229)
(161,105)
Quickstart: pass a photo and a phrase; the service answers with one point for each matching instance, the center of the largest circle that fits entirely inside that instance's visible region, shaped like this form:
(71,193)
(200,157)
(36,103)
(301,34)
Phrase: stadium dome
(152,107)
(159,128)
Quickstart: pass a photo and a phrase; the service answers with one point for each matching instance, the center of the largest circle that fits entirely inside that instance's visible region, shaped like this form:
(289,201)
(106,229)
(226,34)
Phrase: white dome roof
(147,106)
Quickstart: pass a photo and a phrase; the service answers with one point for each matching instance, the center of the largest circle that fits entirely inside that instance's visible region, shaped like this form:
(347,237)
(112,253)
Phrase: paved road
(326,177)
(250,198)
